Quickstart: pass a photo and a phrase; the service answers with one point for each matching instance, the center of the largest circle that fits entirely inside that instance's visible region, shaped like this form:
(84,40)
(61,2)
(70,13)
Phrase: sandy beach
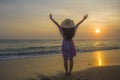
(99,65)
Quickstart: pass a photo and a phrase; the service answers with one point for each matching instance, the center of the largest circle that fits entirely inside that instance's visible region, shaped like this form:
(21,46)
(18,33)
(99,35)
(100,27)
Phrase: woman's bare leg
(71,65)
(66,65)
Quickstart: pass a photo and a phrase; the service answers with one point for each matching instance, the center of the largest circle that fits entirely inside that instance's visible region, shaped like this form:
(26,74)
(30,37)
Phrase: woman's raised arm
(85,17)
(54,20)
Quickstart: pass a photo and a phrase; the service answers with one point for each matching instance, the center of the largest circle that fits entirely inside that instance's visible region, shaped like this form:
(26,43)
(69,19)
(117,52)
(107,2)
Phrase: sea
(25,48)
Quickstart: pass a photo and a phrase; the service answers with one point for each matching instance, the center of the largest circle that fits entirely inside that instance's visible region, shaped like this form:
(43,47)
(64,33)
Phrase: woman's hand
(53,20)
(85,17)
(50,16)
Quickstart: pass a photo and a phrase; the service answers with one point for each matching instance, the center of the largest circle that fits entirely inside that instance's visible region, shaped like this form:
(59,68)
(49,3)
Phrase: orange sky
(29,19)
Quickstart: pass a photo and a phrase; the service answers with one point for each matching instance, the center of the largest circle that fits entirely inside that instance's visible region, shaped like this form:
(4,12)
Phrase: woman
(68,30)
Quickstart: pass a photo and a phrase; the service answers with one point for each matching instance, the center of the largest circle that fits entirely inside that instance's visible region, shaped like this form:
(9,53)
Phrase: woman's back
(68,33)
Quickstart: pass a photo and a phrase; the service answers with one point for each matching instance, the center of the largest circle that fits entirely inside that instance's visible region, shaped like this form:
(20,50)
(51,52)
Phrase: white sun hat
(67,23)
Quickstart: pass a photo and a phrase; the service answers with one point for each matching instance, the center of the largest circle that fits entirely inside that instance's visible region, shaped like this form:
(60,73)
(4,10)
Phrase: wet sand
(99,65)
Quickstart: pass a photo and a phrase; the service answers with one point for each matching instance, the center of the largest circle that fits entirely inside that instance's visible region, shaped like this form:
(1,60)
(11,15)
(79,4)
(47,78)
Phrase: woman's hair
(68,33)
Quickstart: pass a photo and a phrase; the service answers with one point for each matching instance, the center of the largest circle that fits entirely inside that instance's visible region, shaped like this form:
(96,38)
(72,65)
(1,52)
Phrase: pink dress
(68,48)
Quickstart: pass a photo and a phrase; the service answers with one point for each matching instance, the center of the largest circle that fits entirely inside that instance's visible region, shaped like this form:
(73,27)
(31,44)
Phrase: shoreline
(52,66)
(15,56)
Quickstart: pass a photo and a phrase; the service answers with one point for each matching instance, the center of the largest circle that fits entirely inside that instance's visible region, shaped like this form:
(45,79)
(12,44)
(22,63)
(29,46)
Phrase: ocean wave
(45,53)
(14,49)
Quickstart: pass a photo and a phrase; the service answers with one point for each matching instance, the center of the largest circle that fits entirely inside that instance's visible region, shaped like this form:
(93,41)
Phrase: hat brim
(67,24)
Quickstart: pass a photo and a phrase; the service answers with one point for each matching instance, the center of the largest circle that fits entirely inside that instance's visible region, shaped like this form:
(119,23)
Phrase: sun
(97,31)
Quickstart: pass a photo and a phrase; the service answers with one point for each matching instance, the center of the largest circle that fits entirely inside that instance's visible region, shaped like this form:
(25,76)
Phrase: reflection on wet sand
(99,58)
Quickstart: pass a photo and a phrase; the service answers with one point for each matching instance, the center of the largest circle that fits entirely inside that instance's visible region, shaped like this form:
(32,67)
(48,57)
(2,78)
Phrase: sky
(29,19)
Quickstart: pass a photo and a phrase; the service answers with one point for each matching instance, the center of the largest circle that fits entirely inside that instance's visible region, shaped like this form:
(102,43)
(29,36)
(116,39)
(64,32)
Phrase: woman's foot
(69,73)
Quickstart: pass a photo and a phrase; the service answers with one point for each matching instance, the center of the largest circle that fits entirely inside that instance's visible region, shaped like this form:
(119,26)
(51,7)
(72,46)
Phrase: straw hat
(67,23)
